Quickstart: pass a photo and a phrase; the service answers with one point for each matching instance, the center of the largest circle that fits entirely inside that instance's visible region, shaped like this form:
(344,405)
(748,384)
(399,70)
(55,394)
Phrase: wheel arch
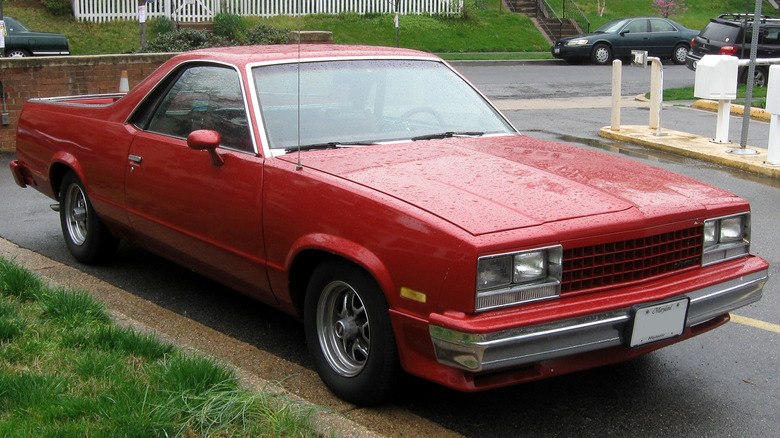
(308,256)
(63,163)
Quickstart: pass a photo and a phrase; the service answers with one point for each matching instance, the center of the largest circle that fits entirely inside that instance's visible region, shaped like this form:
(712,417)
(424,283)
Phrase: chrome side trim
(524,345)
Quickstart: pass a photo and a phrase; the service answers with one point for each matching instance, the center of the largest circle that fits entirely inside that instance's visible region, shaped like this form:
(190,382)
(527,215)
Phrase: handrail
(581,20)
(545,9)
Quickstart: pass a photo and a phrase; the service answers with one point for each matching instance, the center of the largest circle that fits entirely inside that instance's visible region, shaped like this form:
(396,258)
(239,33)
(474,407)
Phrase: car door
(181,204)
(633,36)
(663,37)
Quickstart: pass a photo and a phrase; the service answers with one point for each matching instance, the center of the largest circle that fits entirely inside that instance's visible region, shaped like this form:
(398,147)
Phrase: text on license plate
(557,50)
(658,321)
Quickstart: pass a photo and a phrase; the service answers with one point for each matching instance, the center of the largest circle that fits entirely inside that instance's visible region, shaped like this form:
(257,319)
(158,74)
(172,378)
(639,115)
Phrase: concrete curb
(712,105)
(693,146)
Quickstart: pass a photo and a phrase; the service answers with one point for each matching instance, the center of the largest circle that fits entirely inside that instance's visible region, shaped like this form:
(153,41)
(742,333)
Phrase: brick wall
(25,78)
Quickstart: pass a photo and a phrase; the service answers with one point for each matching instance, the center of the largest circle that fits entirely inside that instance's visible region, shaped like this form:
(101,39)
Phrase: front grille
(607,265)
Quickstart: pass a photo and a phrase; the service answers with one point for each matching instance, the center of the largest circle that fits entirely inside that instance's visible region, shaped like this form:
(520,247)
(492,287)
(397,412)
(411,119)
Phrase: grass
(686,93)
(67,370)
(486,28)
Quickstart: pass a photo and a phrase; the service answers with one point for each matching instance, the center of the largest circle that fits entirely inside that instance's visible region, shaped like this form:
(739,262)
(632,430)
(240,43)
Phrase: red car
(377,195)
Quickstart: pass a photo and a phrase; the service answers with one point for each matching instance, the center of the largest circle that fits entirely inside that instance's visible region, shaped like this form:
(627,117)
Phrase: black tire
(679,53)
(349,335)
(17,53)
(601,54)
(761,77)
(86,237)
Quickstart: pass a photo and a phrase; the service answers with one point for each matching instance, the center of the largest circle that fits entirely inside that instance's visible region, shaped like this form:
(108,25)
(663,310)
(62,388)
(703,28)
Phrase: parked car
(378,196)
(660,37)
(731,34)
(20,41)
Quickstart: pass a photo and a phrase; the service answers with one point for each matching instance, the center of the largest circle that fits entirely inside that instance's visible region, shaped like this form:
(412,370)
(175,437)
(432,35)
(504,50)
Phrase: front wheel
(16,53)
(601,54)
(349,335)
(87,239)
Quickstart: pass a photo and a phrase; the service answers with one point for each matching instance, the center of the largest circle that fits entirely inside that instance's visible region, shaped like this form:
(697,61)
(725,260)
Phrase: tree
(668,8)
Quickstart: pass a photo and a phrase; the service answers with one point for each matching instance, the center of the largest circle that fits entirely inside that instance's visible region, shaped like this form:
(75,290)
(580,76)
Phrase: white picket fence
(204,10)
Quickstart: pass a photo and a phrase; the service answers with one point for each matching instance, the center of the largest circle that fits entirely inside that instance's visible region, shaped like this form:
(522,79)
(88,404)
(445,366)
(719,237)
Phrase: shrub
(58,7)
(229,26)
(262,33)
(160,25)
(180,41)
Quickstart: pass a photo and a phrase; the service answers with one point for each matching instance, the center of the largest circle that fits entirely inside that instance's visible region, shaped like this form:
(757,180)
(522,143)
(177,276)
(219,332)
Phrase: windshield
(354,102)
(611,26)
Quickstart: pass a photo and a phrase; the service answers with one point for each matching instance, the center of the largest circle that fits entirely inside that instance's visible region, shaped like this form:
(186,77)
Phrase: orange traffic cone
(124,85)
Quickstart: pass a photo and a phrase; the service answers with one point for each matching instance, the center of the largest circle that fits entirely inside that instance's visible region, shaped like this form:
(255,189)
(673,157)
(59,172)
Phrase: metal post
(617,79)
(656,93)
(722,127)
(743,150)
(773,155)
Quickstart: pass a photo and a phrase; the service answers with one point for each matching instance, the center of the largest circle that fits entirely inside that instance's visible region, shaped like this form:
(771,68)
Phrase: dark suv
(730,34)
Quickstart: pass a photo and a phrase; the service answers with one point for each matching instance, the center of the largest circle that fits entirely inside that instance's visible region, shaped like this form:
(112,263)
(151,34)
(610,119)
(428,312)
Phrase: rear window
(720,32)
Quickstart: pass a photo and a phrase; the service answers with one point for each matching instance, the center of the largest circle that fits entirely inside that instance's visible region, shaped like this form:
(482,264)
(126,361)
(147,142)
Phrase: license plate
(557,50)
(658,322)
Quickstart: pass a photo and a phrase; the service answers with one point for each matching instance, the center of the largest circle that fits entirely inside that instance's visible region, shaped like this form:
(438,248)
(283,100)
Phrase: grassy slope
(488,31)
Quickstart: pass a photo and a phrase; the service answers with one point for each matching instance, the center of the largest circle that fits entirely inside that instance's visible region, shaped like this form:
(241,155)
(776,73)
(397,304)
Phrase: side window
(204,97)
(657,25)
(636,26)
(772,36)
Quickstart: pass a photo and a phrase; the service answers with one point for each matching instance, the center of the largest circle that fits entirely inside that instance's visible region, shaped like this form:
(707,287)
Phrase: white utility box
(716,77)
(773,90)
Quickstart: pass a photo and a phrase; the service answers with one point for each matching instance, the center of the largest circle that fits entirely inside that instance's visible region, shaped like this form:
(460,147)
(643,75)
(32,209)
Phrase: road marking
(756,323)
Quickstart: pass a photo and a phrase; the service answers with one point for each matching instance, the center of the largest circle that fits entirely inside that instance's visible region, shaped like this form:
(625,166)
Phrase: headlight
(518,277)
(726,238)
(580,42)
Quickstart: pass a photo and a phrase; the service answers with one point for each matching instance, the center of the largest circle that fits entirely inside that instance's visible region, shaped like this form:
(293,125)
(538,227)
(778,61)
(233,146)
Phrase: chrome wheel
(348,332)
(86,237)
(18,53)
(76,214)
(602,54)
(680,52)
(343,328)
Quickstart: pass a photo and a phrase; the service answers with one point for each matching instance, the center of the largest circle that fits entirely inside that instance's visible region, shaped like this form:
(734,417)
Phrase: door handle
(134,158)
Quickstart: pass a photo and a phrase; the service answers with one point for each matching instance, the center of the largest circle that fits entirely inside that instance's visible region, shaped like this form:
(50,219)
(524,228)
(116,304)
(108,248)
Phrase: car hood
(588,36)
(491,184)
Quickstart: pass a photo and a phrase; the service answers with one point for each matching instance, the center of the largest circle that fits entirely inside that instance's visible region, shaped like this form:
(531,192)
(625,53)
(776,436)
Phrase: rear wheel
(87,239)
(760,76)
(601,54)
(679,54)
(349,335)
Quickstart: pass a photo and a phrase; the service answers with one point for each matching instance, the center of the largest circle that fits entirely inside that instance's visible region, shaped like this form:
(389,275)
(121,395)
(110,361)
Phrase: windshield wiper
(329,145)
(448,134)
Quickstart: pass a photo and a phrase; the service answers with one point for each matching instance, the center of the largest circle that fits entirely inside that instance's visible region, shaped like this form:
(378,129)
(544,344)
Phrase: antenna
(298,87)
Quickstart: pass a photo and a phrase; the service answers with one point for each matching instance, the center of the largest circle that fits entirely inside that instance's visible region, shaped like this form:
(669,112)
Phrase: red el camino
(377,195)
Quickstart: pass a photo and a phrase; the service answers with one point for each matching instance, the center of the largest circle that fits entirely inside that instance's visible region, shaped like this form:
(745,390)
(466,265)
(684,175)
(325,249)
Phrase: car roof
(242,55)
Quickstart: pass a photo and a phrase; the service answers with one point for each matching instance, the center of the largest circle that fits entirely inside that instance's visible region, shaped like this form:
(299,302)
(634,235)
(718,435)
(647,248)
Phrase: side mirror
(208,140)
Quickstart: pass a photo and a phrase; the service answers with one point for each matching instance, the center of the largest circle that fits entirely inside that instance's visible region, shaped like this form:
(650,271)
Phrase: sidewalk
(696,146)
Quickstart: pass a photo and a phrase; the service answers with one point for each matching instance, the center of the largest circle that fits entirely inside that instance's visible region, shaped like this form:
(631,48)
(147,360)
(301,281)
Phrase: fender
(340,247)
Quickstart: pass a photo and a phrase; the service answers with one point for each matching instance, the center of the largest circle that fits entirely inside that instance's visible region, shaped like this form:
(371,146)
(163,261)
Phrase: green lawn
(485,29)
(67,370)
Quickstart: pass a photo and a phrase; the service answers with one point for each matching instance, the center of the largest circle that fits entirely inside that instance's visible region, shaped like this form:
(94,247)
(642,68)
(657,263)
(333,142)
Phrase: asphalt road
(723,383)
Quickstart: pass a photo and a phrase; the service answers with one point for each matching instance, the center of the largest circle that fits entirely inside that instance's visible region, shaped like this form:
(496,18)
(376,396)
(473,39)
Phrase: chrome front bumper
(509,348)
